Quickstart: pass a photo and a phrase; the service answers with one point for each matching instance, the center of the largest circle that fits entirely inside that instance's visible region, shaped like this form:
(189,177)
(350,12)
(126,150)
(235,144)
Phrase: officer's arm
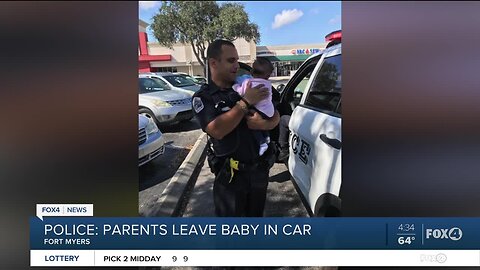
(257,122)
(226,122)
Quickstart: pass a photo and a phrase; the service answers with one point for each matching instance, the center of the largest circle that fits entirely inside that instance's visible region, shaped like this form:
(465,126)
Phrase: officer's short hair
(215,48)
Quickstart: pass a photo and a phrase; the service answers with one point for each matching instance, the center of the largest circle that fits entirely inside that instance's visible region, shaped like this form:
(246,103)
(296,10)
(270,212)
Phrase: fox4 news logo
(454,234)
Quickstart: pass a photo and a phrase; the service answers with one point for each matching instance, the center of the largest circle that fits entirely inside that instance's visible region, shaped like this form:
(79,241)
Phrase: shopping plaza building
(155,58)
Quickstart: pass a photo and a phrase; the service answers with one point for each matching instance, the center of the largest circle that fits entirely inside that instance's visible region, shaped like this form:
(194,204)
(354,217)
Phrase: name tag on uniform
(225,109)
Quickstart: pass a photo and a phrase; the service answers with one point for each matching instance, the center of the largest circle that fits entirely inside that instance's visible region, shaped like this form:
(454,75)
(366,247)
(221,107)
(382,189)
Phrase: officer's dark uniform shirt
(211,101)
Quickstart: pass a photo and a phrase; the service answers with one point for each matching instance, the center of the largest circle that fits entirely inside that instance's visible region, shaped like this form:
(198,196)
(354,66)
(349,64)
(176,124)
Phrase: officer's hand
(255,94)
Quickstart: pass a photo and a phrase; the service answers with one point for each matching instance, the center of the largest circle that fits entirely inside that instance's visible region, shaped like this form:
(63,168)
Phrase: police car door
(315,125)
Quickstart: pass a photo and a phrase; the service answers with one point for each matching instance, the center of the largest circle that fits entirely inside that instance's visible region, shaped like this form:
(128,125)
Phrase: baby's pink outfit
(265,105)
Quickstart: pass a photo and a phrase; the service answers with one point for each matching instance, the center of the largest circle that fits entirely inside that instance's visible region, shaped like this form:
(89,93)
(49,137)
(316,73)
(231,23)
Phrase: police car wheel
(328,205)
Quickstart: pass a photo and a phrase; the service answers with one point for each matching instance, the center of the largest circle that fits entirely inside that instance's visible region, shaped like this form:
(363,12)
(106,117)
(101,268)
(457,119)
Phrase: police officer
(241,175)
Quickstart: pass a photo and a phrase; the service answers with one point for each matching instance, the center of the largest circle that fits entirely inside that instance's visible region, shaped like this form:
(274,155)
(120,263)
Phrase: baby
(262,68)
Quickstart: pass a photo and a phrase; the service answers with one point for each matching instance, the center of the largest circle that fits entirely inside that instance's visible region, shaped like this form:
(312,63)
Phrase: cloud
(335,20)
(315,11)
(286,17)
(148,4)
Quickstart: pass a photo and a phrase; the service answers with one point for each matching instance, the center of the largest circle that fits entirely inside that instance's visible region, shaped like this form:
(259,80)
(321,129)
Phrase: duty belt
(236,165)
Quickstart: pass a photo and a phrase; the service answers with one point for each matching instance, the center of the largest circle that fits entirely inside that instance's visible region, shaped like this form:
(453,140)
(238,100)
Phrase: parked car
(162,103)
(313,98)
(196,79)
(150,140)
(176,81)
(200,79)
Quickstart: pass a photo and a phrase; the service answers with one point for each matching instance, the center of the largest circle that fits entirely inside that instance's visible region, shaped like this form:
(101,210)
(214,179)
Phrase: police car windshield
(148,85)
(179,81)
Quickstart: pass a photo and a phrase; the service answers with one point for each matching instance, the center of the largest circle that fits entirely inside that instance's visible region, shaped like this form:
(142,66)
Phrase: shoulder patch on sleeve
(197,104)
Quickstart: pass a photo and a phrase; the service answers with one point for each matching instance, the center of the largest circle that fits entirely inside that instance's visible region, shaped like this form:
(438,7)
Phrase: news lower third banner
(97,241)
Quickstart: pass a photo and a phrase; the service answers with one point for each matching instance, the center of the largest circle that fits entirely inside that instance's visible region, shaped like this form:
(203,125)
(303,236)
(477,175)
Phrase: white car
(150,140)
(163,104)
(315,153)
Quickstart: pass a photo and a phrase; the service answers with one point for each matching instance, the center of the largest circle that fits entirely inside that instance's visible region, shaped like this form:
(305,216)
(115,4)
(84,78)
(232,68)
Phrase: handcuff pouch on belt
(215,163)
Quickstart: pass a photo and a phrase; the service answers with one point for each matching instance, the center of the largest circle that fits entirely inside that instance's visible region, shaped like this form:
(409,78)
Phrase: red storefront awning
(148,58)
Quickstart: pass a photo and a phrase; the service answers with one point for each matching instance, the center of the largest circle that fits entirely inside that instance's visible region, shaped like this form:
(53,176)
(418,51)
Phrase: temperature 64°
(402,240)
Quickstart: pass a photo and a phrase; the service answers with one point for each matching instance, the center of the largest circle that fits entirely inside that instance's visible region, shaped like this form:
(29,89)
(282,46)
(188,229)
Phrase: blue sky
(280,23)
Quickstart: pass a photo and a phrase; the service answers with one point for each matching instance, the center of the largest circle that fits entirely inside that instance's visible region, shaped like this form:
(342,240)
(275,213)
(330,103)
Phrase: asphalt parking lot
(282,198)
(155,175)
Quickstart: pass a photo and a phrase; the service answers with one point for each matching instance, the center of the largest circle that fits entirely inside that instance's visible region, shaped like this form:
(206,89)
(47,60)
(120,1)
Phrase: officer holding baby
(236,130)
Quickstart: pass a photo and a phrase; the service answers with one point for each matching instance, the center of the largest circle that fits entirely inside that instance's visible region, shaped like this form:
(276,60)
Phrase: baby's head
(262,68)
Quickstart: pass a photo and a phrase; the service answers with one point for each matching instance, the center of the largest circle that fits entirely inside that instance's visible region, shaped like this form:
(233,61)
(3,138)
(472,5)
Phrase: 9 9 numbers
(174,258)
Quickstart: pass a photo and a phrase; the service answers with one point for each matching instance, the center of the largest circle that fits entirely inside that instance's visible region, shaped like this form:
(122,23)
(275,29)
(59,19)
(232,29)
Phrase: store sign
(304,51)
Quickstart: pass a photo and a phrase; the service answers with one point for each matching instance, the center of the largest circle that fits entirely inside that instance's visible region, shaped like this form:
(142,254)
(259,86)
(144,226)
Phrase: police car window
(325,92)
(302,85)
(299,83)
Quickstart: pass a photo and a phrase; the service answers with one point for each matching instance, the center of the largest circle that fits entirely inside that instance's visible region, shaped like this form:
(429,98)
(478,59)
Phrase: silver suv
(160,102)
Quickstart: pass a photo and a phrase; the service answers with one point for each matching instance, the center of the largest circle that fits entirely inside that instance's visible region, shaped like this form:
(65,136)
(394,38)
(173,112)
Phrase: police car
(313,99)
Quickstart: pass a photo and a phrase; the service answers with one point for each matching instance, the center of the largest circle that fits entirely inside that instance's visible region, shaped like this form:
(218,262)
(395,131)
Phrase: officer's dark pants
(244,196)
(283,131)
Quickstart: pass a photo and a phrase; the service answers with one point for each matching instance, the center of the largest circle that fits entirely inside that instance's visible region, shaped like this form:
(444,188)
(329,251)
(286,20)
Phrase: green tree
(198,23)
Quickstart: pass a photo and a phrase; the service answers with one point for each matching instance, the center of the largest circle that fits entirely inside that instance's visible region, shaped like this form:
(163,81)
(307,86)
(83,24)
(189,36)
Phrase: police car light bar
(333,36)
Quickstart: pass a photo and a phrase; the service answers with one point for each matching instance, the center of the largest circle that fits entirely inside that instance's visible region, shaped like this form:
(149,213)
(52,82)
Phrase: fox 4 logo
(454,233)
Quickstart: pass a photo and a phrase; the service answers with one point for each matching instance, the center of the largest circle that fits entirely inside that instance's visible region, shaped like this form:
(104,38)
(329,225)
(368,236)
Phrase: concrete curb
(169,202)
